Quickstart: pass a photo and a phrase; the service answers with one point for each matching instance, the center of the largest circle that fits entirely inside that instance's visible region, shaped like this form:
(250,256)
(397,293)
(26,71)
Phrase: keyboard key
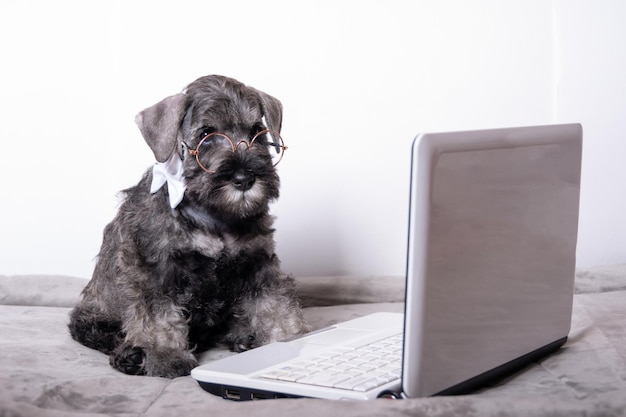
(323,367)
(353,382)
(292,377)
(367,385)
(387,377)
(274,374)
(324,380)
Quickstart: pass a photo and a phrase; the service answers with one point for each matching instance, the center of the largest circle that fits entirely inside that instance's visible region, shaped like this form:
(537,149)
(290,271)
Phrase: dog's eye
(206,131)
(256,129)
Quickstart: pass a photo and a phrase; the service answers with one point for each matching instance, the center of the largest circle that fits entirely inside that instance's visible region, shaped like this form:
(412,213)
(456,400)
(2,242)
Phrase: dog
(189,261)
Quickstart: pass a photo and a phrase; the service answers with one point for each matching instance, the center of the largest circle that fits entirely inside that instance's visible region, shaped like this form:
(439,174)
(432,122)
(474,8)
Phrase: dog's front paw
(247,343)
(242,342)
(128,359)
(169,363)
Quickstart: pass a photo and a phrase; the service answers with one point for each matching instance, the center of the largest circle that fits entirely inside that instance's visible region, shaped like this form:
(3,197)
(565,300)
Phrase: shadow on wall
(317,251)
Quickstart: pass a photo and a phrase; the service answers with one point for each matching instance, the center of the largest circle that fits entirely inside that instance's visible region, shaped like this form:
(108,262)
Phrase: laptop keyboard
(358,369)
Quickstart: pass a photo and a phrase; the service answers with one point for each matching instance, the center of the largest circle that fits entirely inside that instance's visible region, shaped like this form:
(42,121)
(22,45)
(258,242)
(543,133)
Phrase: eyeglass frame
(196,152)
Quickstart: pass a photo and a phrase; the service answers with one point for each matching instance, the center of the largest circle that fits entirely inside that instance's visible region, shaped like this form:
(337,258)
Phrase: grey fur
(169,282)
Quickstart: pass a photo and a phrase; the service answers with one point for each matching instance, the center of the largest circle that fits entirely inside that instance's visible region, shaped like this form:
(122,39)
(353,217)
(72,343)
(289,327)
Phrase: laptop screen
(493,255)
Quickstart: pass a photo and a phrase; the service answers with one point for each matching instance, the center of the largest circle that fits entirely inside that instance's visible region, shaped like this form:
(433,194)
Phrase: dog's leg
(94,329)
(155,343)
(269,315)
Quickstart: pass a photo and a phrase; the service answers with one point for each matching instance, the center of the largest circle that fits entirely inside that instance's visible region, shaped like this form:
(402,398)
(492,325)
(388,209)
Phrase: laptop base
(242,394)
(471,385)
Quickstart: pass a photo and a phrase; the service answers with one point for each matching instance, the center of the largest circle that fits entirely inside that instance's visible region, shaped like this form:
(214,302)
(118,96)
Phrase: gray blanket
(43,372)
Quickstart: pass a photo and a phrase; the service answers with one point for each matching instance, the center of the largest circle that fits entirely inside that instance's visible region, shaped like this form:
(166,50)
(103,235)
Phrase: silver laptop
(493,223)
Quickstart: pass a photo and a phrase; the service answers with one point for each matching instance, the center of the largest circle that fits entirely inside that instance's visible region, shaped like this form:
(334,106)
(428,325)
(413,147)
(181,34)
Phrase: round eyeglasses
(267,139)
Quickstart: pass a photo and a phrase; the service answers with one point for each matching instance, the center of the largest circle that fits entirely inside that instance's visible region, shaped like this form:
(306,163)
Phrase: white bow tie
(170,172)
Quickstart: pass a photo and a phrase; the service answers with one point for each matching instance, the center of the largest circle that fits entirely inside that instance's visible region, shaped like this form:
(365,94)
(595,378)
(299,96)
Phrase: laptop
(493,220)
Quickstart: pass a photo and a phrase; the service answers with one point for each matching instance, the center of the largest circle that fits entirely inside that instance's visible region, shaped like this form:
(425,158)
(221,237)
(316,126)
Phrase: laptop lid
(491,253)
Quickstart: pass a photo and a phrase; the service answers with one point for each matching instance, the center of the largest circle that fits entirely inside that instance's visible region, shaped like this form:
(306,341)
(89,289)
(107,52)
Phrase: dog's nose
(243,180)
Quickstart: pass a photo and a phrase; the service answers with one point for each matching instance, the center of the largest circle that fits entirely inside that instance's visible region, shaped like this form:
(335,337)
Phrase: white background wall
(358,79)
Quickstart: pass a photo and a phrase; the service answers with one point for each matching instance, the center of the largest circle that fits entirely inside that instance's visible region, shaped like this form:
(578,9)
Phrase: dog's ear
(159,125)
(272,110)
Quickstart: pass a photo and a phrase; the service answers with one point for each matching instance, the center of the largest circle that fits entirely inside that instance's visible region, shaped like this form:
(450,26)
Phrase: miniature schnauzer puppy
(189,261)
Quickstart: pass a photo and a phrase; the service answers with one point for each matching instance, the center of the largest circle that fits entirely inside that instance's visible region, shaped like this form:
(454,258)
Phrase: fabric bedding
(43,372)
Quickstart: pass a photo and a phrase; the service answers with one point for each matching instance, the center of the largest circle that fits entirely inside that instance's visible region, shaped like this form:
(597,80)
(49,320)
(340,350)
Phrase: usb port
(232,394)
(257,396)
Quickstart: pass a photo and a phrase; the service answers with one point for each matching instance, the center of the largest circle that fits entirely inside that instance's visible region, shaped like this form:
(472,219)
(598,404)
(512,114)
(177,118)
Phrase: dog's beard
(243,203)
(220,199)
